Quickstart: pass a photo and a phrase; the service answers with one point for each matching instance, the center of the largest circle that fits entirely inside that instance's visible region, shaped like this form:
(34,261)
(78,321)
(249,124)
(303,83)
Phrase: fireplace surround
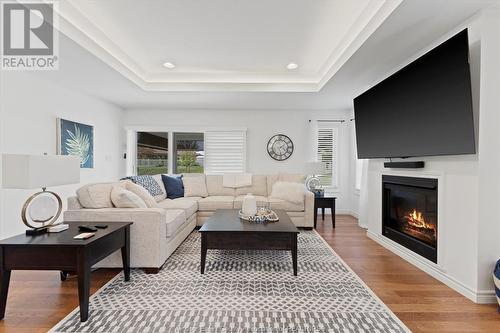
(410,213)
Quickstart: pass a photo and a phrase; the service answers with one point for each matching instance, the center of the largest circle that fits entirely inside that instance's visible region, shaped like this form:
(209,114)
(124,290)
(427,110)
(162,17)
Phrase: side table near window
(324,202)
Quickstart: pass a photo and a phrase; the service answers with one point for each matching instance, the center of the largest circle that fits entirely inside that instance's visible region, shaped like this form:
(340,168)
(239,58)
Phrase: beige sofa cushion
(261,201)
(96,195)
(275,203)
(188,205)
(292,177)
(73,203)
(288,191)
(175,218)
(216,202)
(163,195)
(142,193)
(215,187)
(122,198)
(195,186)
(271,179)
(258,187)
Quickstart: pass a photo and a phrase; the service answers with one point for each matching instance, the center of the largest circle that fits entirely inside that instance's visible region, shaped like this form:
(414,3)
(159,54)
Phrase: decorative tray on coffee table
(263,215)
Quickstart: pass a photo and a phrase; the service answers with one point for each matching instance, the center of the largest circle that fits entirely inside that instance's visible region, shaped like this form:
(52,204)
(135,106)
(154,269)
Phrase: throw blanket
(237,180)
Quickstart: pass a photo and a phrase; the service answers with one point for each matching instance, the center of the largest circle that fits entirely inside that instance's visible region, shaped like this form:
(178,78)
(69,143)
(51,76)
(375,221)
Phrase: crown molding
(76,26)
(369,20)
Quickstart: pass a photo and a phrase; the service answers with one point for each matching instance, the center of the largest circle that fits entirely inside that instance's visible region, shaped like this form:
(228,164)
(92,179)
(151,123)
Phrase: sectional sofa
(158,231)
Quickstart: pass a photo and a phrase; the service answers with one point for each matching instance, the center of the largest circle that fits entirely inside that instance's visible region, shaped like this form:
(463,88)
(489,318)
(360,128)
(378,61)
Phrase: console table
(59,251)
(324,202)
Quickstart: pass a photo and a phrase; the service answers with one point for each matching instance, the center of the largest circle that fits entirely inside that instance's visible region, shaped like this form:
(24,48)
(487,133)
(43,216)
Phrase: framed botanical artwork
(76,139)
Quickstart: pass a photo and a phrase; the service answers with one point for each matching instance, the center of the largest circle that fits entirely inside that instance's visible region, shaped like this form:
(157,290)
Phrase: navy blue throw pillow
(174,186)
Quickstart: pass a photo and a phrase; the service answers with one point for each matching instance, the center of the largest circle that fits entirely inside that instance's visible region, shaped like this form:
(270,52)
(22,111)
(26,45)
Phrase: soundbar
(405,165)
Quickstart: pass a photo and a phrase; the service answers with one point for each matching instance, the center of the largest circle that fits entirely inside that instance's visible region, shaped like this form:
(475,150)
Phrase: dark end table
(59,251)
(224,230)
(324,202)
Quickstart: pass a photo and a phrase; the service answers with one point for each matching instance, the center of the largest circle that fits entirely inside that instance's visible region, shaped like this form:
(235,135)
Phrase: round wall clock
(280,147)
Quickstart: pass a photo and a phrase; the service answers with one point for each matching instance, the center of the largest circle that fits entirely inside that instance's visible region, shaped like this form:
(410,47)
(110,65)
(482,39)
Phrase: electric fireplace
(409,213)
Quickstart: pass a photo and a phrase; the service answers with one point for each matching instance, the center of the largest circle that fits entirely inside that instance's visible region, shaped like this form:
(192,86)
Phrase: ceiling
(222,45)
(411,27)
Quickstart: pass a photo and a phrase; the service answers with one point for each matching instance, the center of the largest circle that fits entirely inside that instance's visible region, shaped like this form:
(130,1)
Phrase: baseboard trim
(354,214)
(343,212)
(486,297)
(477,296)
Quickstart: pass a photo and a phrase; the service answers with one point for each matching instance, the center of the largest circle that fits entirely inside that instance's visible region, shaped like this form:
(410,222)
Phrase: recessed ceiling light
(292,65)
(168,65)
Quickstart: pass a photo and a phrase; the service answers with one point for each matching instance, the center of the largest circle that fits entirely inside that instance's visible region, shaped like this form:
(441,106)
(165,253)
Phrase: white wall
(353,192)
(29,108)
(261,125)
(489,150)
(469,185)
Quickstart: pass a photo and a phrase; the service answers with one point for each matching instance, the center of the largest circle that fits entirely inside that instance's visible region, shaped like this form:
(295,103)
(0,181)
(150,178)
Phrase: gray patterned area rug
(241,291)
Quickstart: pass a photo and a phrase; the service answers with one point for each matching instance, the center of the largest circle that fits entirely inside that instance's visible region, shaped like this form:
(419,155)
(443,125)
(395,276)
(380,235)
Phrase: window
(327,153)
(213,151)
(152,153)
(225,151)
(189,152)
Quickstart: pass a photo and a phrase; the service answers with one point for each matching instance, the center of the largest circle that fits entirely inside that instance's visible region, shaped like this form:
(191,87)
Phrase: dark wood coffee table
(59,251)
(226,231)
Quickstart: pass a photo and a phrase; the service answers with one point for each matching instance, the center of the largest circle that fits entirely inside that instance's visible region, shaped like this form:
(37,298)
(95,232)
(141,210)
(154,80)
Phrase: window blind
(225,151)
(326,154)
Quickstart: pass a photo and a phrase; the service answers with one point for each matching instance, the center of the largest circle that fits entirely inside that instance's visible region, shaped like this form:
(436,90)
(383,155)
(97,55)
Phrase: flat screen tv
(424,109)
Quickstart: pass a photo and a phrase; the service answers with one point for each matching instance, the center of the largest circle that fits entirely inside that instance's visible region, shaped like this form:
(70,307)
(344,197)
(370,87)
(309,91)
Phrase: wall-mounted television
(424,109)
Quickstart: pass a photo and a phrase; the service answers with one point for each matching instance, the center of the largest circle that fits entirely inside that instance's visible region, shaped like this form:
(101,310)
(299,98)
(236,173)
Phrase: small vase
(496,280)
(249,206)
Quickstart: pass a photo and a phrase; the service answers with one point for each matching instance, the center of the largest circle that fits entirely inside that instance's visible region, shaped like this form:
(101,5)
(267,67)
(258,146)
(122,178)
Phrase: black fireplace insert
(409,213)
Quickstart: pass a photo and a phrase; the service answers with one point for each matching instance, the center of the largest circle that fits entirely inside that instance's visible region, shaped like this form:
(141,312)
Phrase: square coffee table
(226,231)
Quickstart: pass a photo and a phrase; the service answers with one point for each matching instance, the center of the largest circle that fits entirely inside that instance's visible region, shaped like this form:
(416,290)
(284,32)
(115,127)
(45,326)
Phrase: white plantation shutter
(225,151)
(326,153)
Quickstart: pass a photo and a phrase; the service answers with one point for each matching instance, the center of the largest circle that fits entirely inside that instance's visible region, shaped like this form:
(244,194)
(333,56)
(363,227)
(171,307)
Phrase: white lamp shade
(38,171)
(315,168)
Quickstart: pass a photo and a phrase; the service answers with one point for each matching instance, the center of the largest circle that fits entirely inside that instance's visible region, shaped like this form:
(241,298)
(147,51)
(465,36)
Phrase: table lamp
(42,209)
(313,169)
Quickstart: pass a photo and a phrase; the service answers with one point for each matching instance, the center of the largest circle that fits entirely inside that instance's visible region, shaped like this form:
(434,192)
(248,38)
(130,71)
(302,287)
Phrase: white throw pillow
(96,195)
(122,198)
(195,186)
(288,191)
(142,193)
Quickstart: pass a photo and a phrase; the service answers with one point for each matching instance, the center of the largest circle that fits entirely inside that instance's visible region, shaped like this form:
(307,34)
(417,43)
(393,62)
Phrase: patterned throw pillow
(149,183)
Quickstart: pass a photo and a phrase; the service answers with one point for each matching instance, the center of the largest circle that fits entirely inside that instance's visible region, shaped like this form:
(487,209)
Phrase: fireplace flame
(416,219)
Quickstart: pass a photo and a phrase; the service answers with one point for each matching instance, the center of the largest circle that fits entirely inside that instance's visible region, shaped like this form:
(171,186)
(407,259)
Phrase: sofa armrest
(73,203)
(148,232)
(309,209)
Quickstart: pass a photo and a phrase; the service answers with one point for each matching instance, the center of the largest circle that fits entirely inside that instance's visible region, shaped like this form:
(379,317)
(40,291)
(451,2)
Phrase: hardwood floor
(423,303)
(38,300)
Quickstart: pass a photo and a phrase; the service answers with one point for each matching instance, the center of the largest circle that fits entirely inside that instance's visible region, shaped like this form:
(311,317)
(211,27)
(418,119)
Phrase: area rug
(241,291)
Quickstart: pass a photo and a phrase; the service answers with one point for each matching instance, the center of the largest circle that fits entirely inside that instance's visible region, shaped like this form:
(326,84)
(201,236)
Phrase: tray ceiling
(215,45)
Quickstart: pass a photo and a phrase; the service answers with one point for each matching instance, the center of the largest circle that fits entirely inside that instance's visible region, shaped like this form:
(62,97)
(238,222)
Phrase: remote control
(101,226)
(87,228)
